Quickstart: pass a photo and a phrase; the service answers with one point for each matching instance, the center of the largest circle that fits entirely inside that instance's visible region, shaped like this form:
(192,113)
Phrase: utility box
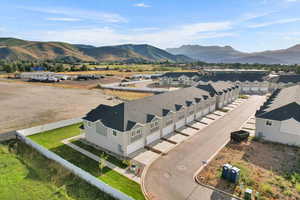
(234,175)
(248,194)
(226,171)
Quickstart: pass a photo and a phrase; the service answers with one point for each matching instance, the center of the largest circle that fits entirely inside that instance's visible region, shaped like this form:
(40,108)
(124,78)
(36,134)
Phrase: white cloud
(80,14)
(281,21)
(190,33)
(142,5)
(63,19)
(252,16)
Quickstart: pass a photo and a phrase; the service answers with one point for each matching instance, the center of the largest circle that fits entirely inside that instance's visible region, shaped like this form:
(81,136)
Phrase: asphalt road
(171,176)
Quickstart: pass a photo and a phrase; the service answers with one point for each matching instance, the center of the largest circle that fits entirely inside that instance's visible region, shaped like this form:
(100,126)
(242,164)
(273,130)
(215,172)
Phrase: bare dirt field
(268,168)
(27,105)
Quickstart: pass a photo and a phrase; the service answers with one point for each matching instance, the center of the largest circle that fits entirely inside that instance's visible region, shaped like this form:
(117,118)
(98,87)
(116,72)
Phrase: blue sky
(247,25)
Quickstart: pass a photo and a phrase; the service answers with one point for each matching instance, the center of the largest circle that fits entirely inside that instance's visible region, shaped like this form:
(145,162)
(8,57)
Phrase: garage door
(205,111)
(254,88)
(198,115)
(154,136)
(167,130)
(180,124)
(135,146)
(190,118)
(264,89)
(220,105)
(245,88)
(212,108)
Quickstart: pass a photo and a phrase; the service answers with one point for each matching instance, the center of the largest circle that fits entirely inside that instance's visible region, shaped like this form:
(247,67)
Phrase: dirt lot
(273,170)
(26,105)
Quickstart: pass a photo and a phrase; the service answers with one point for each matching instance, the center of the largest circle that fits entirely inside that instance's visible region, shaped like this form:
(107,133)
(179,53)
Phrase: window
(88,123)
(115,133)
(154,126)
(102,130)
(269,123)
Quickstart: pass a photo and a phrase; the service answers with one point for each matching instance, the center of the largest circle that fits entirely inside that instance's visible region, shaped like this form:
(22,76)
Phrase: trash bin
(248,194)
(234,175)
(226,171)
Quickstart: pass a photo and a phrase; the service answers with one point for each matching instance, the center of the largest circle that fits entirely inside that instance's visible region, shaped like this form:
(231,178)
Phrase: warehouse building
(278,120)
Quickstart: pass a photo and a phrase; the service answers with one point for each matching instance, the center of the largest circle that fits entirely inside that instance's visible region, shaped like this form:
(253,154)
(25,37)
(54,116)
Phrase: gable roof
(283,104)
(178,74)
(217,87)
(125,115)
(293,78)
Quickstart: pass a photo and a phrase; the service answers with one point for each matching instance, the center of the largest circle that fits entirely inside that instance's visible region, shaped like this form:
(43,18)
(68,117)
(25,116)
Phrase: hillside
(16,49)
(227,54)
(13,49)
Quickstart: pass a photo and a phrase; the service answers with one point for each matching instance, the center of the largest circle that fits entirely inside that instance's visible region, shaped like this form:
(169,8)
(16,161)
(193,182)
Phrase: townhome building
(250,83)
(278,120)
(126,128)
(225,91)
(179,78)
(285,80)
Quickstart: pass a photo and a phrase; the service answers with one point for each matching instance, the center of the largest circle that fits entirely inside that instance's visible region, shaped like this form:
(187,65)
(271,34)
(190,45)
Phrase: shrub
(298,187)
(266,188)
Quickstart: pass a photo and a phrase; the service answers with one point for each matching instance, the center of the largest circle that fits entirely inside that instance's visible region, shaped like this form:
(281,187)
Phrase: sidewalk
(124,172)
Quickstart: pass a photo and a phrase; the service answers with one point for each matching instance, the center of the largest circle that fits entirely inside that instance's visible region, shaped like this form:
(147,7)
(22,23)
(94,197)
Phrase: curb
(215,189)
(209,160)
(144,190)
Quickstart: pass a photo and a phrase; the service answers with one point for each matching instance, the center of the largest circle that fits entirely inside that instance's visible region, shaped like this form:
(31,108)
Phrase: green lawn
(27,175)
(51,140)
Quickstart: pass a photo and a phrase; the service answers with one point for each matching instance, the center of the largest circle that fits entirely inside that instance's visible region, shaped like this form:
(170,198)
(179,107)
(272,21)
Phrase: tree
(298,70)
(102,162)
(84,68)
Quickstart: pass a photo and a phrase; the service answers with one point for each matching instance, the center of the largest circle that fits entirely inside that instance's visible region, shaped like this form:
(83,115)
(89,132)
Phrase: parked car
(239,136)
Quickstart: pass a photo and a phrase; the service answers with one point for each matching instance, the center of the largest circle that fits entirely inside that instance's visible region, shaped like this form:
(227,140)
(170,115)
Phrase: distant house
(278,120)
(179,78)
(249,82)
(128,127)
(285,80)
(226,92)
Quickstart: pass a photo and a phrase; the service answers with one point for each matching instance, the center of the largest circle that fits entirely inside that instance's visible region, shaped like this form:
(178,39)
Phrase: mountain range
(17,49)
(227,54)
(13,49)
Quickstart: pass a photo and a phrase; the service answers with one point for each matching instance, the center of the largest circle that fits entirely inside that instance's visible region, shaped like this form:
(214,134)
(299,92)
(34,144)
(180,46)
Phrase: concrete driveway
(170,177)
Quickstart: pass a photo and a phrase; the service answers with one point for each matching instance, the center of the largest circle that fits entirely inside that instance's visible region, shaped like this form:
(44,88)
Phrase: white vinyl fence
(50,126)
(69,166)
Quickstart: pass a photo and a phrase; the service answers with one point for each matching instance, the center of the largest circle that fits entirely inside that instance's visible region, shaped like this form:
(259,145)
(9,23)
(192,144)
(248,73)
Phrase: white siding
(167,130)
(135,146)
(180,124)
(152,137)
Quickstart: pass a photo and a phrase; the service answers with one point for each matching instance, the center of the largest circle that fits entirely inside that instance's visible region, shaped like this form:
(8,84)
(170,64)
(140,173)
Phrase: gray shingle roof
(282,105)
(217,87)
(233,77)
(178,74)
(124,116)
(288,78)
